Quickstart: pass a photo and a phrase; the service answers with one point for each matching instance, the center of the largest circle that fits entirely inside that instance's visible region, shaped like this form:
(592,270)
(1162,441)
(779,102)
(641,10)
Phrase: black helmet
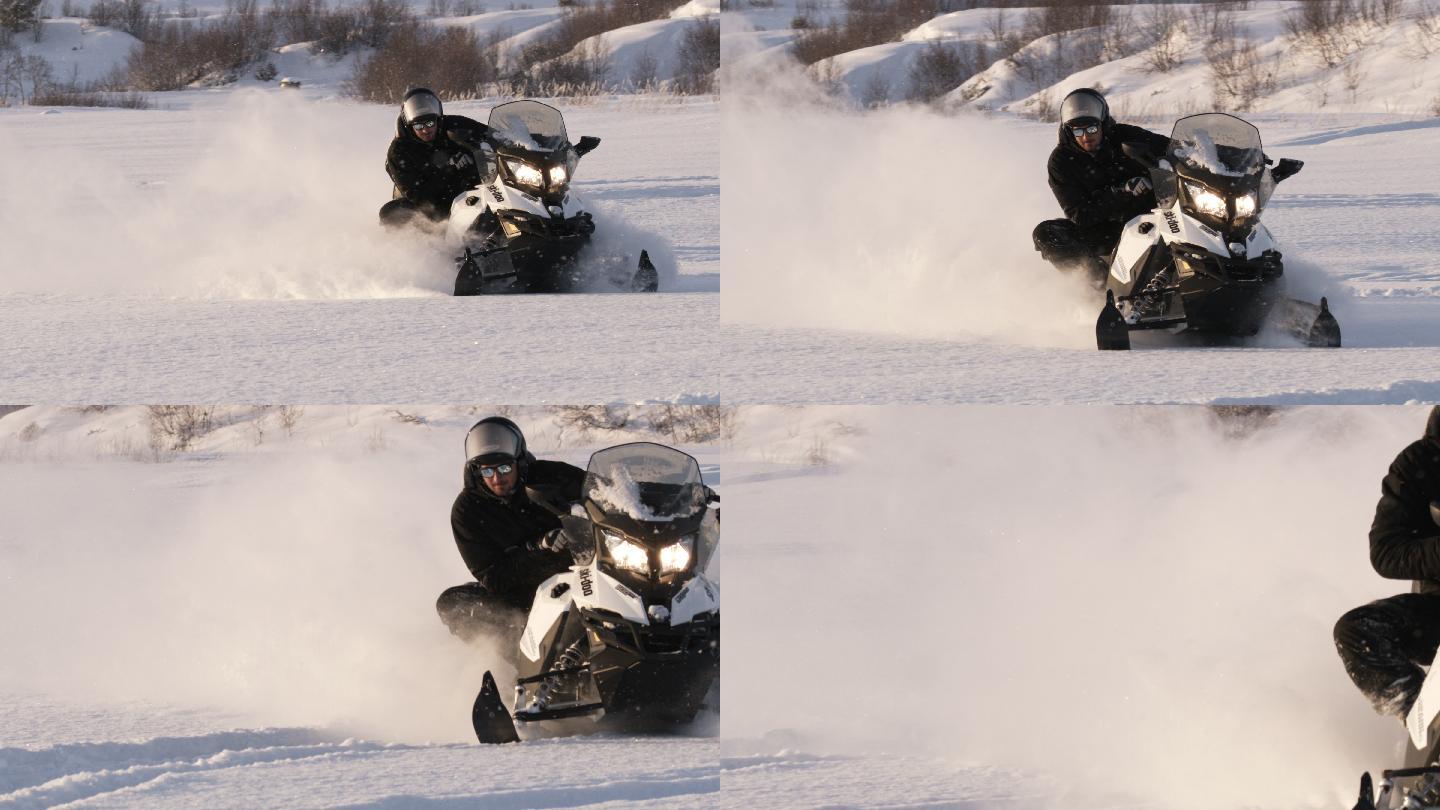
(1083,107)
(420,104)
(494,440)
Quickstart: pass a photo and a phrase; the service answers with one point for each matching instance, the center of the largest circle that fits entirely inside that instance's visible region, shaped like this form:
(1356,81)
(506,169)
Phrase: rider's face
(1089,142)
(502,484)
(425,131)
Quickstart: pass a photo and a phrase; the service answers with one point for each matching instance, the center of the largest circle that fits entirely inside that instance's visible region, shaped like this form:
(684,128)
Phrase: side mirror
(587,143)
(1287,167)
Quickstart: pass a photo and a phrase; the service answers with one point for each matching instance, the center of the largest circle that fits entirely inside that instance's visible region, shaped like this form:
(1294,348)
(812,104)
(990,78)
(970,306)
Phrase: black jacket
(493,534)
(1089,187)
(433,173)
(1404,540)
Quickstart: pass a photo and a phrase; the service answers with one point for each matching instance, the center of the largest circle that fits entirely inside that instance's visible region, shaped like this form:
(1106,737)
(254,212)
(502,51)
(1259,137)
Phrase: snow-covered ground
(1051,607)
(224,247)
(886,256)
(251,622)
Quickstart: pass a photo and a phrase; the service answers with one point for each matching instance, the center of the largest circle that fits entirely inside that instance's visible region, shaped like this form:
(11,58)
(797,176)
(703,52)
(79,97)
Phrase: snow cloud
(1135,600)
(899,220)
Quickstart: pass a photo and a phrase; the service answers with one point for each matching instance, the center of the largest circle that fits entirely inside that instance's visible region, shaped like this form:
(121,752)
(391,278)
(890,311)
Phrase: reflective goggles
(425,126)
(498,469)
(1090,130)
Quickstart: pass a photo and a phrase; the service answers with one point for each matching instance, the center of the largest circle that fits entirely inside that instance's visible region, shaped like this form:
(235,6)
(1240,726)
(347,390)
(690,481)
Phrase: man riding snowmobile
(1098,187)
(1387,644)
(509,542)
(428,159)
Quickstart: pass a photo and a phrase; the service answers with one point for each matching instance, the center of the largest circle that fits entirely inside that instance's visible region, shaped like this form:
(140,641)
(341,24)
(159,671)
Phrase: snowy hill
(1374,66)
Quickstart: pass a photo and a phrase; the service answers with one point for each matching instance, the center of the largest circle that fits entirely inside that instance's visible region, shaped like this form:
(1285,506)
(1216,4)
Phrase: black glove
(461,160)
(573,536)
(1138,186)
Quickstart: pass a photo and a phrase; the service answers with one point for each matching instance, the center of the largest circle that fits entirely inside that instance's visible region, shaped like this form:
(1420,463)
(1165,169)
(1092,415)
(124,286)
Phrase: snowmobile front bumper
(1229,296)
(654,672)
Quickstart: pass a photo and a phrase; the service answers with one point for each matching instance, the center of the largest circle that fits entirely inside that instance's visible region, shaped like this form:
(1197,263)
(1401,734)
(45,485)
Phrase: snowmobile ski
(647,279)
(1111,331)
(492,722)
(1325,331)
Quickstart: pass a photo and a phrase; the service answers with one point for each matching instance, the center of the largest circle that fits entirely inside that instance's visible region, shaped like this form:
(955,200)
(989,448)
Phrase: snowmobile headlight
(525,174)
(628,555)
(676,556)
(1244,206)
(1206,201)
(558,176)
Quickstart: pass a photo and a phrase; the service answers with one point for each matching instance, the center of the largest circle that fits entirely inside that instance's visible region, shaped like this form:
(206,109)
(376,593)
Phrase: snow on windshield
(620,492)
(1198,150)
(528,125)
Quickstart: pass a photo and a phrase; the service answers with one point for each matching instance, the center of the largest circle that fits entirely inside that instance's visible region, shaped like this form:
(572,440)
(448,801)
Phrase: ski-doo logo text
(495,192)
(1170,220)
(586,587)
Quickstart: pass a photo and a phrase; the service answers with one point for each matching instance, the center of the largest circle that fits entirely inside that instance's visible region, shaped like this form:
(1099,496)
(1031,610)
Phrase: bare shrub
(301,20)
(451,61)
(1352,74)
(23,77)
(1164,28)
(645,70)
(70,96)
(407,418)
(585,22)
(1329,30)
(588,65)
(176,427)
(289,416)
(698,57)
(138,18)
(876,91)
(939,68)
(1042,108)
(818,453)
(587,419)
(693,423)
(177,54)
(30,432)
(1424,39)
(1120,36)
(867,22)
(257,428)
(1062,18)
(1237,75)
(19,15)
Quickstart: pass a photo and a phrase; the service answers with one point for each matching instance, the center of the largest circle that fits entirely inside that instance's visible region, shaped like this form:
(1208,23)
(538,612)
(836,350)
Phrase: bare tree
(645,70)
(698,57)
(939,68)
(1165,30)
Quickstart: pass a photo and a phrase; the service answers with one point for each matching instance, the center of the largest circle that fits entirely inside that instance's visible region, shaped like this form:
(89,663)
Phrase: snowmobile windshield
(645,482)
(529,125)
(1217,146)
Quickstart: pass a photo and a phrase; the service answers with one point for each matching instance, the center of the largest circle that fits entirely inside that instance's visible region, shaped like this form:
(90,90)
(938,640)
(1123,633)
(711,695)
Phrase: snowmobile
(1417,783)
(522,228)
(1202,261)
(629,636)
